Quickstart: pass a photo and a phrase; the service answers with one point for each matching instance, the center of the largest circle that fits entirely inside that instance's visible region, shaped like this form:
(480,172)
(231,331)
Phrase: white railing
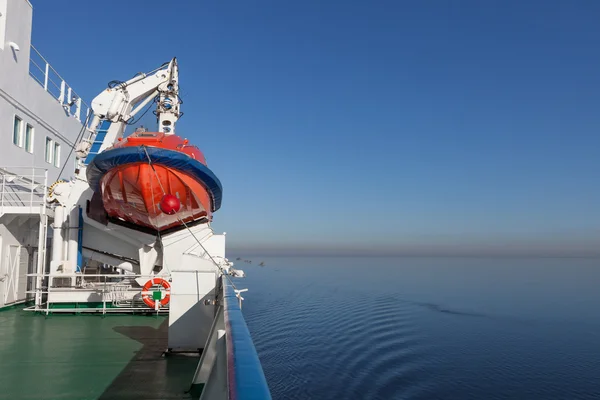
(43,73)
(229,367)
(71,292)
(23,189)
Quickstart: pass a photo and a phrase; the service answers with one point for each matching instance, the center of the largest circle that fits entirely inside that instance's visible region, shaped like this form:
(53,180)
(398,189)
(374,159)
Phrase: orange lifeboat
(152,181)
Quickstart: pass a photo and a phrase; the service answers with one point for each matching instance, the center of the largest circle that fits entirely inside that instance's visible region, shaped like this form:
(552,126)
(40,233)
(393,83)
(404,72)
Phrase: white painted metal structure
(191,259)
(229,367)
(39,123)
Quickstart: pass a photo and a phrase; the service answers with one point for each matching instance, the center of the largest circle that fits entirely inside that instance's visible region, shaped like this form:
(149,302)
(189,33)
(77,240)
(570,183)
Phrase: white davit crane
(191,260)
(122,101)
(112,111)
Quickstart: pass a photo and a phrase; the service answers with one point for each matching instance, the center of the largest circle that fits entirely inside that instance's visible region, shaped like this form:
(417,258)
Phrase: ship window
(18,131)
(29,138)
(48,150)
(56,155)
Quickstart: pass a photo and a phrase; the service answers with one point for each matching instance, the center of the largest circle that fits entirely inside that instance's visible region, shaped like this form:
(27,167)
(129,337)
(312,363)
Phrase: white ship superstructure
(40,120)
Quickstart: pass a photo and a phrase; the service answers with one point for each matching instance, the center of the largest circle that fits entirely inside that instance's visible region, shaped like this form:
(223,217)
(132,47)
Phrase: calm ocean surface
(426,328)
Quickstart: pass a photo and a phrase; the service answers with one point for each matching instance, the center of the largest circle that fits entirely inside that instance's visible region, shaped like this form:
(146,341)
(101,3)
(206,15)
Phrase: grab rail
(43,73)
(229,368)
(246,379)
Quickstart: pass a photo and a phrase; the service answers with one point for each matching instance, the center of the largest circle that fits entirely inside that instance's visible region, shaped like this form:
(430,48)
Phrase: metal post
(42,247)
(78,109)
(69,97)
(32,188)
(73,239)
(61,99)
(2,195)
(58,237)
(40,259)
(46,77)
(45,196)
(104,297)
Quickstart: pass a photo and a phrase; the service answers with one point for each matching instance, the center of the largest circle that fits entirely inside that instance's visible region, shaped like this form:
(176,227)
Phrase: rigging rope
(79,135)
(155,173)
(189,230)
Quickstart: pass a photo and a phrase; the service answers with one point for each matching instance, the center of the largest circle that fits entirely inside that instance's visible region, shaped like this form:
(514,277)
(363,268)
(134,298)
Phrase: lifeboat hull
(133,178)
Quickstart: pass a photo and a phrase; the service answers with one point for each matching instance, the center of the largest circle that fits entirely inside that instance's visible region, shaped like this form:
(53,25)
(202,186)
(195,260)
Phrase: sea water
(426,328)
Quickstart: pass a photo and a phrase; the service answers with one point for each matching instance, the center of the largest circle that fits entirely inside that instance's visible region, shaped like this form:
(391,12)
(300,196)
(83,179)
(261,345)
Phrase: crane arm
(120,103)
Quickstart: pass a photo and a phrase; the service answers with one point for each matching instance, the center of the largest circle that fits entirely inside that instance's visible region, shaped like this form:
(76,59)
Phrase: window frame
(49,150)
(56,155)
(20,134)
(29,147)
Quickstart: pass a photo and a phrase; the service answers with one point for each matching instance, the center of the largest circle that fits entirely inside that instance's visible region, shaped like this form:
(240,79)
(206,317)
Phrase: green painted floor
(89,357)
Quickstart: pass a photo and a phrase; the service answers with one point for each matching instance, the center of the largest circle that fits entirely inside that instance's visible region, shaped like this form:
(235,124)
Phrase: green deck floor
(89,357)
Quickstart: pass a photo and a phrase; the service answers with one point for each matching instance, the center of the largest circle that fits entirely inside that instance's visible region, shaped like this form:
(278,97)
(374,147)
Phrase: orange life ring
(146,293)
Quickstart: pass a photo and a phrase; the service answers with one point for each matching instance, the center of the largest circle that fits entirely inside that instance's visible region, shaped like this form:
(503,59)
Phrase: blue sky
(369,125)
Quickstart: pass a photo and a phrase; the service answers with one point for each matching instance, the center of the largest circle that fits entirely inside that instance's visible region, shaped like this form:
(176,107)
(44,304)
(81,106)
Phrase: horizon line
(418,254)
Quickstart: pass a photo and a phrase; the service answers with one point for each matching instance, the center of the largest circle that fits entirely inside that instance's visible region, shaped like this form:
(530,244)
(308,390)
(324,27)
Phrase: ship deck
(89,357)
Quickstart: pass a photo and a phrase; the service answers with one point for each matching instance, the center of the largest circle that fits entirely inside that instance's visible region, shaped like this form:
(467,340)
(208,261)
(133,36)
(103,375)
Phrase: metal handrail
(23,187)
(246,379)
(64,88)
(103,287)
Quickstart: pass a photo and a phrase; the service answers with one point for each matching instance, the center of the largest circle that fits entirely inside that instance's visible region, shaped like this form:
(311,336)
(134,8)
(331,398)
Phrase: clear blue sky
(369,125)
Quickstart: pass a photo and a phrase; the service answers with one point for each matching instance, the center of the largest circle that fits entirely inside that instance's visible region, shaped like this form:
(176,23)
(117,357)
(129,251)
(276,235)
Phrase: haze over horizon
(435,247)
(424,128)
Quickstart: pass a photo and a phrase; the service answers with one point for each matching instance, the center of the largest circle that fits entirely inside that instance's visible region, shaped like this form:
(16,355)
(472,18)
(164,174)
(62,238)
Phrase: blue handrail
(246,379)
